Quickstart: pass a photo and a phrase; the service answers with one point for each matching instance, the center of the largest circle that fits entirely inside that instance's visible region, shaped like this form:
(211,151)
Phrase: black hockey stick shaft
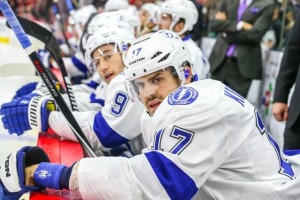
(45,36)
(41,70)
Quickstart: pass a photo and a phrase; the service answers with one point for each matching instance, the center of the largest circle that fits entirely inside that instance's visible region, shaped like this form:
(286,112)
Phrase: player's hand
(280,111)
(220,15)
(247,26)
(25,113)
(12,173)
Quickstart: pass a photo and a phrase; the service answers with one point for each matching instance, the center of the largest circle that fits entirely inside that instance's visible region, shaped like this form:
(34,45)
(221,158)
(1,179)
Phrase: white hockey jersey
(203,142)
(88,85)
(75,65)
(89,101)
(116,123)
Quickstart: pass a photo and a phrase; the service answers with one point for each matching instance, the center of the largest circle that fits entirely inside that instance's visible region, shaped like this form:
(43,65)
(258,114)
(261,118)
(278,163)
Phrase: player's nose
(148,90)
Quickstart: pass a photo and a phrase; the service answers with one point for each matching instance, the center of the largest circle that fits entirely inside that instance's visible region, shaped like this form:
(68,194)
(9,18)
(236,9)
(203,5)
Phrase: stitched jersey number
(285,166)
(119,103)
(183,136)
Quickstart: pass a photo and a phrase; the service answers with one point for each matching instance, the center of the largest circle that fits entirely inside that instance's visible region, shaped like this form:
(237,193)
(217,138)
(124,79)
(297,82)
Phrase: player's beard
(153,97)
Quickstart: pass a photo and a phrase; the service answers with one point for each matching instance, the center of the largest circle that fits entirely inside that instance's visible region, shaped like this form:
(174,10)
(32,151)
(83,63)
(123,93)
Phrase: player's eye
(107,57)
(96,62)
(156,80)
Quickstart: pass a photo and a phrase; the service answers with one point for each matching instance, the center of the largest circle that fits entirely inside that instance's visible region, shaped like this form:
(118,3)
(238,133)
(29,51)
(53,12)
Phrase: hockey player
(148,17)
(111,124)
(114,5)
(117,16)
(204,141)
(78,20)
(75,64)
(180,16)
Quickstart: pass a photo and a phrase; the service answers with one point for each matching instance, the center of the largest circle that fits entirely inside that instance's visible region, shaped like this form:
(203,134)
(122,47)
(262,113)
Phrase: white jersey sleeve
(89,96)
(116,123)
(119,119)
(75,65)
(200,63)
(88,85)
(207,141)
(93,101)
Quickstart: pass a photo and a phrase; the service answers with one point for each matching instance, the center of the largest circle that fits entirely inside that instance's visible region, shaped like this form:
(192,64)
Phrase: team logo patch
(168,34)
(183,96)
(42,174)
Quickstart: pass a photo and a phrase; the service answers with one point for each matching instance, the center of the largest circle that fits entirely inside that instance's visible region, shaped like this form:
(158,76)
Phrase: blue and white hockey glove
(25,113)
(12,172)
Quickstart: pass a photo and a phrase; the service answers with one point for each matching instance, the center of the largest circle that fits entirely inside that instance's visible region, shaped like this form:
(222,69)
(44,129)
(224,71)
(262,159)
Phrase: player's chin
(153,108)
(109,77)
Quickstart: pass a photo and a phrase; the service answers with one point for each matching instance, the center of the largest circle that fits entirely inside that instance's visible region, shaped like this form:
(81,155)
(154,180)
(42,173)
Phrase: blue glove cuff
(48,175)
(79,65)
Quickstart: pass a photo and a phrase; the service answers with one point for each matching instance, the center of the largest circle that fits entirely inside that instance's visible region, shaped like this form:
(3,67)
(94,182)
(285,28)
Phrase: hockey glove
(28,112)
(12,172)
(56,176)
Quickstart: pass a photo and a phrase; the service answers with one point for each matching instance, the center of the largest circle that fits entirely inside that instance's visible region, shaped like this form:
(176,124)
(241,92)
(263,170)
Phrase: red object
(59,151)
(50,194)
(50,143)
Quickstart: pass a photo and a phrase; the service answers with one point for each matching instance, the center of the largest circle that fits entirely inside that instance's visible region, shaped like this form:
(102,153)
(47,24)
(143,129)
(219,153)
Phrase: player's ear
(188,75)
(178,27)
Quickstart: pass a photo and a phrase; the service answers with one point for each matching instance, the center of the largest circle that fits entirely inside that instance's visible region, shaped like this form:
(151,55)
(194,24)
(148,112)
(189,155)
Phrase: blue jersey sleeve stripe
(81,66)
(175,181)
(94,100)
(107,136)
(93,84)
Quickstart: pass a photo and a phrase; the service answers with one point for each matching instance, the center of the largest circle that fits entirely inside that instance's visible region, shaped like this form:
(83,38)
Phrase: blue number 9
(119,103)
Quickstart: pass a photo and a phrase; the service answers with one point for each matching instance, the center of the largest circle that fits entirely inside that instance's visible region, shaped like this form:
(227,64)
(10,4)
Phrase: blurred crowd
(275,38)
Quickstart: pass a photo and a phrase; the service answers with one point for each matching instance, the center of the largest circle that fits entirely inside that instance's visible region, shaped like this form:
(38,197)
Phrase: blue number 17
(183,136)
(285,166)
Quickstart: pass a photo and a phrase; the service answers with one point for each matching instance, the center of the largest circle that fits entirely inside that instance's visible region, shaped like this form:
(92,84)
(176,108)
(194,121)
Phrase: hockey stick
(51,45)
(55,9)
(40,68)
